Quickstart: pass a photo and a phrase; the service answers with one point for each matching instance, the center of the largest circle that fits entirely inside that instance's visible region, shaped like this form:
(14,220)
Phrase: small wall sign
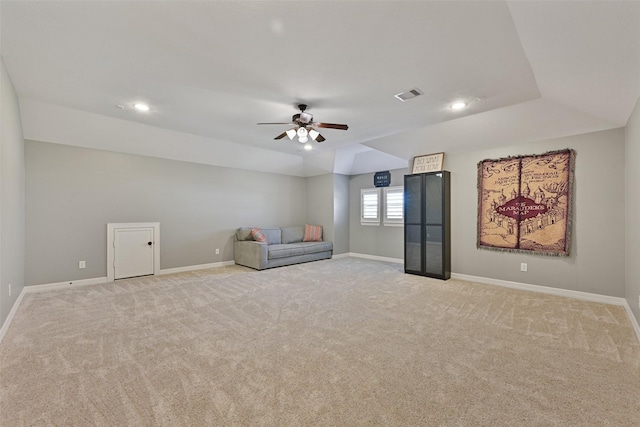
(382,179)
(428,163)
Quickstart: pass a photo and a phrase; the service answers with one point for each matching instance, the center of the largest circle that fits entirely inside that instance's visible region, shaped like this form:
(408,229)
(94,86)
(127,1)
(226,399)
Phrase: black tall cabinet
(427,225)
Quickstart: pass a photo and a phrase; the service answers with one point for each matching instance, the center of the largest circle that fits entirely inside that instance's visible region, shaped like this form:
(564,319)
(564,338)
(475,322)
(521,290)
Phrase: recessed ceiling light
(458,105)
(308,147)
(141,107)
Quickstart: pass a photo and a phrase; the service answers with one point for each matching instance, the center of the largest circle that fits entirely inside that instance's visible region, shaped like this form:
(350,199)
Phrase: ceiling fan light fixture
(302,135)
(304,127)
(305,117)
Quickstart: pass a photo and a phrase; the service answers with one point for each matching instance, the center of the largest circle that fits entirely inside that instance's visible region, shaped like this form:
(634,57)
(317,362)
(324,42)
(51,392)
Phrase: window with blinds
(370,206)
(394,206)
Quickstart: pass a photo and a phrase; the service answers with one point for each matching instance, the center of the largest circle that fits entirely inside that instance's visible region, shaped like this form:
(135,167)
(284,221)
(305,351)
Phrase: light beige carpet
(344,342)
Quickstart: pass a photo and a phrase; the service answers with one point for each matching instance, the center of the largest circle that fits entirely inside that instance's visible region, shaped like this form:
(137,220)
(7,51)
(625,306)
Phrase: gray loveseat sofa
(283,246)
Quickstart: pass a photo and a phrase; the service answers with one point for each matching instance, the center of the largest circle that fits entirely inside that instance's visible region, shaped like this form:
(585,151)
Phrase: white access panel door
(133,252)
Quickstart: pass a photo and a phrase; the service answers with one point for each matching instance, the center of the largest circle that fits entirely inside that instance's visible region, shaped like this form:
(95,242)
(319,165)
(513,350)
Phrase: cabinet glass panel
(433,249)
(427,229)
(413,247)
(433,198)
(413,199)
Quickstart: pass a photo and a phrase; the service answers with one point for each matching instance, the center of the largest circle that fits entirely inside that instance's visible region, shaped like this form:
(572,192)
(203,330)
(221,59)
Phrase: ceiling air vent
(405,96)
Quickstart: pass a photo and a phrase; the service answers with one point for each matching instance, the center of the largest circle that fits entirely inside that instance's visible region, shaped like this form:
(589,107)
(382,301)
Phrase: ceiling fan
(304,127)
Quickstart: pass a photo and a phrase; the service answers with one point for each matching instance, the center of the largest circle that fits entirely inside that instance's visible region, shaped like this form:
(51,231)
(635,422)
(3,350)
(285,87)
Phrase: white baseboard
(12,313)
(541,289)
(196,267)
(632,318)
(376,258)
(65,285)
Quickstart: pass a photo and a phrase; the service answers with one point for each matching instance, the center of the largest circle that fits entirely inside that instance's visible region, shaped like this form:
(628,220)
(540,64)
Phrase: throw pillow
(312,233)
(258,235)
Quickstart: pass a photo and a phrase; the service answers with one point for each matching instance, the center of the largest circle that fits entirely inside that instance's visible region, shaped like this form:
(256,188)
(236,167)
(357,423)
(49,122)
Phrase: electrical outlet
(9,289)
(523,266)
(217,251)
(82,264)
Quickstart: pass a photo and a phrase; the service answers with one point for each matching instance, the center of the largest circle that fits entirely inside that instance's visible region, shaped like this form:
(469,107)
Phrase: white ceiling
(212,70)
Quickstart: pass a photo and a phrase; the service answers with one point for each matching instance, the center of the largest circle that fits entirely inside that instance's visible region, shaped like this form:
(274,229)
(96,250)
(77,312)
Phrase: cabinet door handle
(150,243)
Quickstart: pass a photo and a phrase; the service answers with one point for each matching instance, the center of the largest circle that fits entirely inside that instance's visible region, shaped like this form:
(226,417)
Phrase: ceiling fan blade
(282,135)
(331,126)
(282,123)
(320,138)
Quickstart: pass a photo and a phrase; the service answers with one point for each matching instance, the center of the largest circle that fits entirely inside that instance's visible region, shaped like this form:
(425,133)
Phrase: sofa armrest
(251,254)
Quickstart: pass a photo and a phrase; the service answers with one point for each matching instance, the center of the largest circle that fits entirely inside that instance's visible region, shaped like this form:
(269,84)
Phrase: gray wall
(72,193)
(383,241)
(340,214)
(596,264)
(632,180)
(319,193)
(12,190)
(328,206)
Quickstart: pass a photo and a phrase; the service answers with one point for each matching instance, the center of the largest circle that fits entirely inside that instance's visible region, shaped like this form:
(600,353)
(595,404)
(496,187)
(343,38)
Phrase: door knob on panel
(149,243)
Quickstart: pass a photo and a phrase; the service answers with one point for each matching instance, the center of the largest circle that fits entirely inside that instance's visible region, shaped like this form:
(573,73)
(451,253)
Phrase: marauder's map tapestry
(525,203)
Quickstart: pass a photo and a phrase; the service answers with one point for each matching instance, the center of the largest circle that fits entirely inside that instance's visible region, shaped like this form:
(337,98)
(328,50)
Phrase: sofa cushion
(243,233)
(292,234)
(315,247)
(285,250)
(258,235)
(312,233)
(274,235)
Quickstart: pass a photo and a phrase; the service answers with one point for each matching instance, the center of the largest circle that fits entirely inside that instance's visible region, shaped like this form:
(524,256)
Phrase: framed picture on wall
(428,163)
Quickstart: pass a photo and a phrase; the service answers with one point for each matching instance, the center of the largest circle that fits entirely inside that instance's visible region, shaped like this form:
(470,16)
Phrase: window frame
(393,222)
(368,220)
